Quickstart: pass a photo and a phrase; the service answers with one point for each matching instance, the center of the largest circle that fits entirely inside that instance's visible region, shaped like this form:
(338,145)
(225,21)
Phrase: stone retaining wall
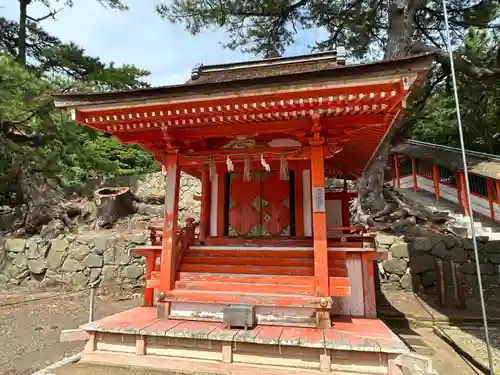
(412,261)
(73,260)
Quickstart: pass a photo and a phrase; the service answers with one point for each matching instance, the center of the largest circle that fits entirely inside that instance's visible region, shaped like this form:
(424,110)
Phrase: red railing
(185,238)
(357,233)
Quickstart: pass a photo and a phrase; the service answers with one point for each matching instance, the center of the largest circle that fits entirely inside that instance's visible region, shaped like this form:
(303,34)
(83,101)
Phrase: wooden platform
(353,346)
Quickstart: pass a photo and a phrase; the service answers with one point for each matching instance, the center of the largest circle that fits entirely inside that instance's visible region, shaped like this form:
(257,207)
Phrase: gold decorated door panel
(259,207)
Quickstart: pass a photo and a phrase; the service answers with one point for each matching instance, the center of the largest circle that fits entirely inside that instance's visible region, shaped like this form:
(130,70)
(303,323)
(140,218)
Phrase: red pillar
(414,174)
(463,191)
(435,177)
(491,197)
(319,229)
(397,177)
(150,266)
(168,253)
(205,205)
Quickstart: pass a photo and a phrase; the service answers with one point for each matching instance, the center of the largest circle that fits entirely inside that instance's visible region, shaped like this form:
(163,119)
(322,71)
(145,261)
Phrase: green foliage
(362,26)
(479,101)
(35,138)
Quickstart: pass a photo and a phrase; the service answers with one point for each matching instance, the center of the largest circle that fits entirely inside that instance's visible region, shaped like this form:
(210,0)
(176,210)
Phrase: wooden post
(319,228)
(435,177)
(205,205)
(414,174)
(368,274)
(150,267)
(168,256)
(299,203)
(397,177)
(463,191)
(92,302)
(221,198)
(491,197)
(458,183)
(458,289)
(442,297)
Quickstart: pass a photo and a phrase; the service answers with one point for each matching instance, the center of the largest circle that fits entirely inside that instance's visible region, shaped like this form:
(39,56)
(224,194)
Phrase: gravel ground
(30,330)
(472,341)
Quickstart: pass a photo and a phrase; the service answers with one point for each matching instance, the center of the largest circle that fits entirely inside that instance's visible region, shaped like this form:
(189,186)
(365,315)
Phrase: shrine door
(260,207)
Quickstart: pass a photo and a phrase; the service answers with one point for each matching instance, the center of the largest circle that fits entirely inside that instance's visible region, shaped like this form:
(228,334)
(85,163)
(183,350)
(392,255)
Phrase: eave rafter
(333,102)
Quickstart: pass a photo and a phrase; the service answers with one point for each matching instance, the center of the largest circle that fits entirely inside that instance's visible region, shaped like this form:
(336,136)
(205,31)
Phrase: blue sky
(139,36)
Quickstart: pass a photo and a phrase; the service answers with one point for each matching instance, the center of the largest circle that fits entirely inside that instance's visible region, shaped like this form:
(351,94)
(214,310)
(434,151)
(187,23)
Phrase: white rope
(467,191)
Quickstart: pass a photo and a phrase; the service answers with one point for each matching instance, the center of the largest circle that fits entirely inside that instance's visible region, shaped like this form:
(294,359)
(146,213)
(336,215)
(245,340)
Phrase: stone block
(385,239)
(37,266)
(494,258)
(482,239)
(94,274)
(109,273)
(428,278)
(11,271)
(20,261)
(55,259)
(422,244)
(79,252)
(468,268)
(492,247)
(72,265)
(406,282)
(53,229)
(450,241)
(400,250)
(396,266)
(439,250)
(102,244)
(459,255)
(132,272)
(78,281)
(15,245)
(59,245)
(93,261)
(469,245)
(422,263)
(488,269)
(472,256)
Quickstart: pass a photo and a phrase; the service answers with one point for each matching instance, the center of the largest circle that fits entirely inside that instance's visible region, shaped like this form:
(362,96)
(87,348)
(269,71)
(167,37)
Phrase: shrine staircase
(266,276)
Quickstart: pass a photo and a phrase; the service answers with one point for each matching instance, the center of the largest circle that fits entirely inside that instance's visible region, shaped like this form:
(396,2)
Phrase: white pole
(467,190)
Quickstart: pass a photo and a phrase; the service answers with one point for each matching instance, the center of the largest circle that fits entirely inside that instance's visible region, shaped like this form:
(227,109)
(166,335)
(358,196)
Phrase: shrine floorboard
(137,338)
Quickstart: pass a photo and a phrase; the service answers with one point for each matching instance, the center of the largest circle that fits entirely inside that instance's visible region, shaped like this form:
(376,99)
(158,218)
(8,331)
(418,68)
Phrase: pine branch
(460,62)
(52,15)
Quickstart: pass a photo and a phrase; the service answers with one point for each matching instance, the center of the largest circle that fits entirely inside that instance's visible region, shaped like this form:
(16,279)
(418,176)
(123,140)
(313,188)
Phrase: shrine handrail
(360,235)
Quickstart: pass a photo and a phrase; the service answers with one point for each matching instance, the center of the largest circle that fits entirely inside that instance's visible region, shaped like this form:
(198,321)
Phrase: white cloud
(140,37)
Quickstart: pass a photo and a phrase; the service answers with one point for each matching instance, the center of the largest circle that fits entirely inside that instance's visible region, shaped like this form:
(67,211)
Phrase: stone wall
(73,260)
(412,261)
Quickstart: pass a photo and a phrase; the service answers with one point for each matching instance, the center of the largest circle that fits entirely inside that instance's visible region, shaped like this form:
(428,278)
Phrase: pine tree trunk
(21,45)
(370,185)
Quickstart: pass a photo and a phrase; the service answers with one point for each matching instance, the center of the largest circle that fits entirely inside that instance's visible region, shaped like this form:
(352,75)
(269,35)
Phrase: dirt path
(30,331)
(444,358)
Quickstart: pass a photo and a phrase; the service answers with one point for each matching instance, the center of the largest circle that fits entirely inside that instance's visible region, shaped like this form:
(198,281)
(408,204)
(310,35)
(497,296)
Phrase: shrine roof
(278,73)
(268,67)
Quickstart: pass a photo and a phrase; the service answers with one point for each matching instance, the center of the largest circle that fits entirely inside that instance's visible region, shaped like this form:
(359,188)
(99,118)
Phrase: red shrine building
(273,275)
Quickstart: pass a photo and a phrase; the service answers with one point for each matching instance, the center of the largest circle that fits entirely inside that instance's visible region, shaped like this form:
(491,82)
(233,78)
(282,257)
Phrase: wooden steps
(259,277)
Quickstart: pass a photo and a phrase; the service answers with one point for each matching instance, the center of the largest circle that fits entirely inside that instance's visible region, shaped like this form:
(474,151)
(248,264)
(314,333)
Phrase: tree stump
(113,203)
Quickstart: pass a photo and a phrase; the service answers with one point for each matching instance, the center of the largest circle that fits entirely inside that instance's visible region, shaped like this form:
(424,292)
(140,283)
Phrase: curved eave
(419,64)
